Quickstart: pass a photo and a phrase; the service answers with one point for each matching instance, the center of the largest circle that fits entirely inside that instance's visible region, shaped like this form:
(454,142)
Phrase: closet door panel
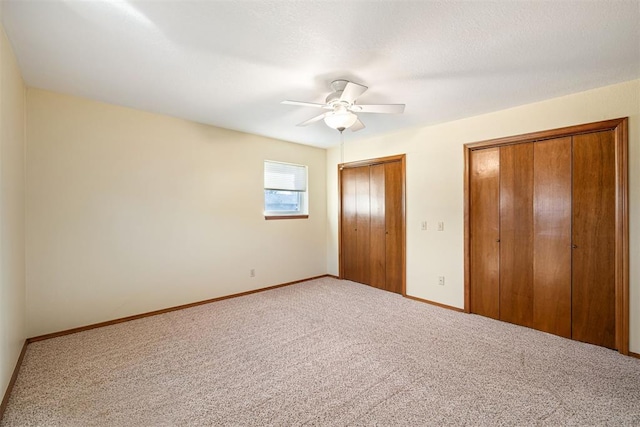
(393,222)
(377,249)
(516,234)
(361,273)
(593,236)
(484,223)
(552,236)
(349,223)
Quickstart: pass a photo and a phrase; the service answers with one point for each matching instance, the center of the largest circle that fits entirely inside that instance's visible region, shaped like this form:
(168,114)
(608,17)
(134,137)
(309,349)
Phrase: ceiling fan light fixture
(340,119)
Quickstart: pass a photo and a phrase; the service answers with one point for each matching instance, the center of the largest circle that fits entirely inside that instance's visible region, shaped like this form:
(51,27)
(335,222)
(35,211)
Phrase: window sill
(286,217)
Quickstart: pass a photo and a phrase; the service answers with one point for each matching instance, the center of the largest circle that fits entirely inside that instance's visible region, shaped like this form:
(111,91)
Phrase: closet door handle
(497,240)
(574,246)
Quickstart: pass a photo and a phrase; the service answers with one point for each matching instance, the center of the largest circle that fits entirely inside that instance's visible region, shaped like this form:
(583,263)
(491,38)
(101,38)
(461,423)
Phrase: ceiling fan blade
(380,108)
(312,120)
(352,91)
(304,104)
(357,126)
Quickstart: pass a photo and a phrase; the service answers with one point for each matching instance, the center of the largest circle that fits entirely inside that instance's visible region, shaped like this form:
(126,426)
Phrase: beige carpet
(324,352)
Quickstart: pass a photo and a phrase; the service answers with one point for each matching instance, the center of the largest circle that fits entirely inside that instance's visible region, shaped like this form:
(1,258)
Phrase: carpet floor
(324,352)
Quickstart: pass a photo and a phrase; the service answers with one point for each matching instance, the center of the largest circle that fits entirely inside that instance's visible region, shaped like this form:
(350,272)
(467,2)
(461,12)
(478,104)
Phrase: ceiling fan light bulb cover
(340,119)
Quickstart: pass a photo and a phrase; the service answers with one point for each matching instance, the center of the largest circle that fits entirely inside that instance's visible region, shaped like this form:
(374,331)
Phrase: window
(285,190)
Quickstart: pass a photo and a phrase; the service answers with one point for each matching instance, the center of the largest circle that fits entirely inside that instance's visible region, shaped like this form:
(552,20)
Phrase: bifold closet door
(393,201)
(385,184)
(552,236)
(557,203)
(377,247)
(516,234)
(484,225)
(372,224)
(349,223)
(593,235)
(355,223)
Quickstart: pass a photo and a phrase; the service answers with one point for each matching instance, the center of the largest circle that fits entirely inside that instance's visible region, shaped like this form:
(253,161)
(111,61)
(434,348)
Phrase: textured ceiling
(230,63)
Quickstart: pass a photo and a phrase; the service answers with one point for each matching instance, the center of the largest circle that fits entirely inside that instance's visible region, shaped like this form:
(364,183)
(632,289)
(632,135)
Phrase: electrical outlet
(252,272)
(423,225)
(440,225)
(441,280)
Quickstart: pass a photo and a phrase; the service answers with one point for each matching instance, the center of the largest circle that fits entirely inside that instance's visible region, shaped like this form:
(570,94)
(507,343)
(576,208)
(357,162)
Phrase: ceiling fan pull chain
(341,146)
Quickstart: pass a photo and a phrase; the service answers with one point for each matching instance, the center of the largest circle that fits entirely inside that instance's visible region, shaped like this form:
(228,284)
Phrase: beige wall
(129,212)
(12,261)
(435,187)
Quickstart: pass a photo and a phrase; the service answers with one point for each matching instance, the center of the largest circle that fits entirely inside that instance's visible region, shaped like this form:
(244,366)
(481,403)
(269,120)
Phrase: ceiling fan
(342,107)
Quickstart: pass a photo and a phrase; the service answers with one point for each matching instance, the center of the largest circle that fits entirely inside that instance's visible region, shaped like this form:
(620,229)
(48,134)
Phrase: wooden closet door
(355,224)
(484,223)
(593,235)
(349,223)
(377,243)
(372,222)
(516,234)
(552,236)
(393,200)
(363,203)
